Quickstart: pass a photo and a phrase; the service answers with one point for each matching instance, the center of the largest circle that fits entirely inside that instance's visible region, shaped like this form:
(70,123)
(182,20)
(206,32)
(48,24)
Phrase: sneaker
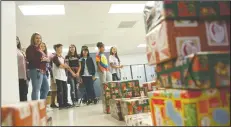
(61,107)
(54,106)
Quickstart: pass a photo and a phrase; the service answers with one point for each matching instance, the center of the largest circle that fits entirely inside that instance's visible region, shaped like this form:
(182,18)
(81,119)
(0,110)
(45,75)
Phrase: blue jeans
(73,91)
(39,84)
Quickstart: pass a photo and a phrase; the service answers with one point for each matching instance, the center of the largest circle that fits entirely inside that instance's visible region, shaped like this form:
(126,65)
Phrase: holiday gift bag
(156,11)
(175,38)
(175,107)
(197,71)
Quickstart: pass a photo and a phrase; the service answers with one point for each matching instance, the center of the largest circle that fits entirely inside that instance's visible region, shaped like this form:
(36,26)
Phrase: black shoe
(61,107)
(95,101)
(67,105)
(54,106)
(89,102)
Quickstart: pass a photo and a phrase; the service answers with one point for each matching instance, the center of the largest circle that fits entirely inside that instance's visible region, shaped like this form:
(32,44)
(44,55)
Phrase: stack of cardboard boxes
(189,42)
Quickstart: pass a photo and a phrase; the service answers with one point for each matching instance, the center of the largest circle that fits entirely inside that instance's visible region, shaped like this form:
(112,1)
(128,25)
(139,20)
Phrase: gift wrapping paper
(119,89)
(175,107)
(142,119)
(149,86)
(32,113)
(157,11)
(134,106)
(197,71)
(176,38)
(115,109)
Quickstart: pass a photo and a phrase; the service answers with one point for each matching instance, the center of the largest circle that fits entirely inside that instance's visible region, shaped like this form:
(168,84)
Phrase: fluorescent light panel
(126,8)
(42,9)
(141,45)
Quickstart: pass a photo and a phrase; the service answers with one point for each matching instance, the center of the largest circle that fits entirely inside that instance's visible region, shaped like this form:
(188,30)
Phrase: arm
(58,64)
(79,69)
(111,62)
(97,59)
(93,67)
(31,55)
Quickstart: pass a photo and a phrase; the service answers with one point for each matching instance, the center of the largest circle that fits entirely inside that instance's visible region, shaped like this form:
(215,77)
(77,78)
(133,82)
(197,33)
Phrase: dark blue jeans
(88,83)
(39,84)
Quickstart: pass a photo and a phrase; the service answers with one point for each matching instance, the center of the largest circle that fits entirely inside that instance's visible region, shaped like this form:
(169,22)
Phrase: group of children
(77,70)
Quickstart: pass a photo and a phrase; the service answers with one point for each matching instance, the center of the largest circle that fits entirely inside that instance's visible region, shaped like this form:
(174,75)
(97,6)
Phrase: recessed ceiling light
(42,9)
(126,8)
(141,45)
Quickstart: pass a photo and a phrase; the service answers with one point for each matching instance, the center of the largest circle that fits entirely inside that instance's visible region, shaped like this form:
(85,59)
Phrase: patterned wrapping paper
(24,114)
(175,38)
(119,89)
(134,106)
(156,11)
(130,88)
(174,107)
(142,119)
(197,71)
(115,109)
(148,86)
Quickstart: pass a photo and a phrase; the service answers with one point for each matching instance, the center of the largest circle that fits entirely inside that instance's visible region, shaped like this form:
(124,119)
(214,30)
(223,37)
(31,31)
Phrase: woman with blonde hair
(37,68)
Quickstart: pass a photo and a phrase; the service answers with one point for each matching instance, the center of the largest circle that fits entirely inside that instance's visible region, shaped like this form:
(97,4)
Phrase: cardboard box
(197,71)
(30,113)
(115,109)
(156,11)
(142,119)
(119,89)
(134,106)
(173,107)
(172,39)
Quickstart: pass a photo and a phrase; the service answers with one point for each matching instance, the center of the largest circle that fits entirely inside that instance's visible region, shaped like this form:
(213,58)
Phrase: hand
(66,66)
(74,75)
(77,74)
(121,66)
(44,59)
(93,78)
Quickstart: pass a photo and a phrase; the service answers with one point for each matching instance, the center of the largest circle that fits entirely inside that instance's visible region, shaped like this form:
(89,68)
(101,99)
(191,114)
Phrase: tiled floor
(91,115)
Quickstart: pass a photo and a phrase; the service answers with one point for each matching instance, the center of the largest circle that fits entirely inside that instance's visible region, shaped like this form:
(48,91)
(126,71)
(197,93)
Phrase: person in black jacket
(87,73)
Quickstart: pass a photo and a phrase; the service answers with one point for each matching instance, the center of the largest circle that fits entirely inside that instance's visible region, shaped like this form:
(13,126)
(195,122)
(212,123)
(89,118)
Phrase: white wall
(140,58)
(9,68)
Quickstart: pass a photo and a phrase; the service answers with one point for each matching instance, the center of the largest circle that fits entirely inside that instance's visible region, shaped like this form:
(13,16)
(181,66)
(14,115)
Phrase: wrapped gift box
(30,113)
(149,86)
(134,106)
(173,107)
(142,119)
(115,109)
(196,71)
(130,88)
(118,89)
(156,11)
(172,38)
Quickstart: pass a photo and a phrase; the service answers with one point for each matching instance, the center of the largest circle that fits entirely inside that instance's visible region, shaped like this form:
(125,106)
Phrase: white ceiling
(85,22)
